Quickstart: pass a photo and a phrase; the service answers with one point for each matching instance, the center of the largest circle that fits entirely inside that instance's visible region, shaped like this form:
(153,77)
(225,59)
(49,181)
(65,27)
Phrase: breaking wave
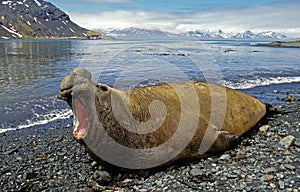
(43,119)
(251,83)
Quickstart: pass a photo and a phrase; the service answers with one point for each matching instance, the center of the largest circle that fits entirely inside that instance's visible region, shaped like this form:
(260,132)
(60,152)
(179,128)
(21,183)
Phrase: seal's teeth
(76,124)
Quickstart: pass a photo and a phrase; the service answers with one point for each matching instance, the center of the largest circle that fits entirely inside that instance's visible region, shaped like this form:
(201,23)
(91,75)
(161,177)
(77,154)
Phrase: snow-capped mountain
(138,34)
(209,35)
(271,35)
(21,19)
(261,35)
(246,35)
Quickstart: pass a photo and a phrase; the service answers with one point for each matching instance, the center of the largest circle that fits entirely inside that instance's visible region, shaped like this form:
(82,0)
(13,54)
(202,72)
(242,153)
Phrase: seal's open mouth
(80,119)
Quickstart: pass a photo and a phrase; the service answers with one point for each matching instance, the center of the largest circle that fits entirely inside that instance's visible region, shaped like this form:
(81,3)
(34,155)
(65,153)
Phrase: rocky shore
(288,44)
(47,158)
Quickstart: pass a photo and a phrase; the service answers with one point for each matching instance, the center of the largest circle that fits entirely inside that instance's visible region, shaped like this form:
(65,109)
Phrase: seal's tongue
(81,120)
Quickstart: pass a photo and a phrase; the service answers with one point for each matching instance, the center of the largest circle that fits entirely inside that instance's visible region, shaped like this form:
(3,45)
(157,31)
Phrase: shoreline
(46,157)
(282,44)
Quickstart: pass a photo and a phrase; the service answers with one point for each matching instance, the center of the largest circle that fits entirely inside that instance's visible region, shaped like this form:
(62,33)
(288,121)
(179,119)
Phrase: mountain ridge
(37,19)
(138,33)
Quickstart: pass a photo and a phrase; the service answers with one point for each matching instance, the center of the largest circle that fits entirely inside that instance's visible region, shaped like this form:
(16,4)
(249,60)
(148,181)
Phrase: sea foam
(251,83)
(44,119)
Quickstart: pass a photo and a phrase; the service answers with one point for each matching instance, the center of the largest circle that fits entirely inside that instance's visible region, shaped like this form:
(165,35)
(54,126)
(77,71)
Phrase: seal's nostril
(65,94)
(62,90)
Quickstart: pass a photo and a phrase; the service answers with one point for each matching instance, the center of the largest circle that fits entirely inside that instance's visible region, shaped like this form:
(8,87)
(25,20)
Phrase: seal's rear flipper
(271,110)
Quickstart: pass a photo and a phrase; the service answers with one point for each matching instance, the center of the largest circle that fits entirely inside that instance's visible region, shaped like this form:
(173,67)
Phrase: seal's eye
(102,87)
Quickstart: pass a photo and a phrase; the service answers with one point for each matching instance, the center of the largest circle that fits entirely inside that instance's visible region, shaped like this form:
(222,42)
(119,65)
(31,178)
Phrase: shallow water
(30,71)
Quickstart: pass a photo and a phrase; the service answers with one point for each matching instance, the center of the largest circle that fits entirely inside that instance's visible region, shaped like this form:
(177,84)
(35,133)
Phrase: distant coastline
(45,38)
(102,37)
(282,44)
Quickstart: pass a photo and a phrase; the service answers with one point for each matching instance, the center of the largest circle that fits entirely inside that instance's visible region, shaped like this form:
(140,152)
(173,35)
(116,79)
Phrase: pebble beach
(47,158)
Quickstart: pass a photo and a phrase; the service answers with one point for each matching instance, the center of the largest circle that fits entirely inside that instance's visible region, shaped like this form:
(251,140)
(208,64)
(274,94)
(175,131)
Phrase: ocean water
(30,71)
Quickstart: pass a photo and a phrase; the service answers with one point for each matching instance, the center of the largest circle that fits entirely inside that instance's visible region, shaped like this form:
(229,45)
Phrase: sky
(179,16)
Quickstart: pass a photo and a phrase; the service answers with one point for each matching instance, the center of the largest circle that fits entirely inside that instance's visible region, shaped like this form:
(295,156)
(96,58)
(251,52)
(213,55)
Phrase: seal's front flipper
(223,142)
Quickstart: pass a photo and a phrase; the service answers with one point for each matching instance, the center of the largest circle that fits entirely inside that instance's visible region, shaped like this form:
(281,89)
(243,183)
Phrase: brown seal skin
(95,104)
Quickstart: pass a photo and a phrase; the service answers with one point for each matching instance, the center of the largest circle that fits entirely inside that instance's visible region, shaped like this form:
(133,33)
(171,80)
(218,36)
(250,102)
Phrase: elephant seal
(177,116)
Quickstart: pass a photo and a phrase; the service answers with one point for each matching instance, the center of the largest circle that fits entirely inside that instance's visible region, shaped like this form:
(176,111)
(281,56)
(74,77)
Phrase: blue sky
(184,15)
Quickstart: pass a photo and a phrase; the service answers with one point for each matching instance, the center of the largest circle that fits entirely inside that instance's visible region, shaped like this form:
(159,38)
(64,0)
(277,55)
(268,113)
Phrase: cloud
(279,17)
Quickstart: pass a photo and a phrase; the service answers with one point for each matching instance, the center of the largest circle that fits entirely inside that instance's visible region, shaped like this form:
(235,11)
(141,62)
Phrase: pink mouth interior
(82,117)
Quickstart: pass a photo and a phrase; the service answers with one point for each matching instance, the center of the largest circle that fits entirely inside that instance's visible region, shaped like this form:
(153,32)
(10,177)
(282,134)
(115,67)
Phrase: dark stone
(101,177)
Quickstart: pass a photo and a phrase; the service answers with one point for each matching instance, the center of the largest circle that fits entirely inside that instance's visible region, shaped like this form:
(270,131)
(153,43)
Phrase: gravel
(47,158)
